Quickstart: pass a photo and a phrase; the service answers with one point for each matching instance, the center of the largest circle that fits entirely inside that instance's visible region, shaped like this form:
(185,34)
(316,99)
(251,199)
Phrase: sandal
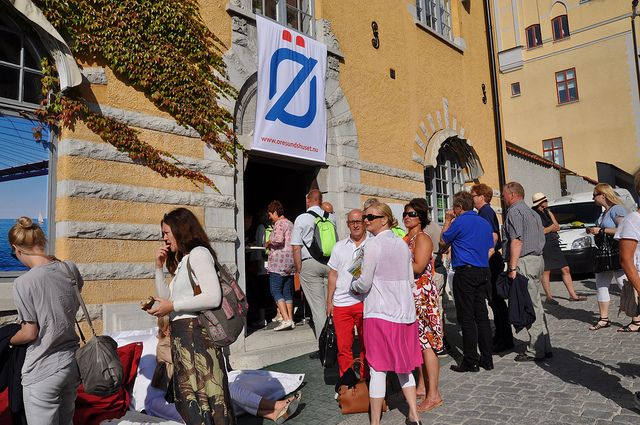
(627,328)
(578,298)
(598,325)
(422,407)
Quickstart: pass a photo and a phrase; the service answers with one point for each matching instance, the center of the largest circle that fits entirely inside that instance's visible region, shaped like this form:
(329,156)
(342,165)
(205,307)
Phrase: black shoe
(464,368)
(527,358)
(488,366)
(548,355)
(314,355)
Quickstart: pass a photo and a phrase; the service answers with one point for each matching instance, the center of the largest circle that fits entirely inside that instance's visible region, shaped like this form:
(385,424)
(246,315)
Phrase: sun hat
(538,198)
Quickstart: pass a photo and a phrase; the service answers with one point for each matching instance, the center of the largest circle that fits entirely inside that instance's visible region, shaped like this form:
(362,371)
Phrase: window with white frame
(436,14)
(25,184)
(296,14)
(442,182)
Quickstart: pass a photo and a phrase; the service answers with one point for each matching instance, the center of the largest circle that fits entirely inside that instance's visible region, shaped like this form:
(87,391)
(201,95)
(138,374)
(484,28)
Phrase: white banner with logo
(290,111)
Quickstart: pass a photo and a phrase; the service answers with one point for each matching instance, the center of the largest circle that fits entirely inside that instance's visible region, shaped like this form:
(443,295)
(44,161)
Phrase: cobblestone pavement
(590,379)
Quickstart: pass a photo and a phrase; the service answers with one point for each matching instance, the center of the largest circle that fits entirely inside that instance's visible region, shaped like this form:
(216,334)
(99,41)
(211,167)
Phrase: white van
(574,213)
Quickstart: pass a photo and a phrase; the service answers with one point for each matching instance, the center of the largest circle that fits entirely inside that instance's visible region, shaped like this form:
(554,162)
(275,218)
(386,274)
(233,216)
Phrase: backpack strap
(315,214)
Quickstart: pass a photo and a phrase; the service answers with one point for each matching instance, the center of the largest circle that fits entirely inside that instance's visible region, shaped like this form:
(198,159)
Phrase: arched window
(442,182)
(560,25)
(25,186)
(534,36)
(20,70)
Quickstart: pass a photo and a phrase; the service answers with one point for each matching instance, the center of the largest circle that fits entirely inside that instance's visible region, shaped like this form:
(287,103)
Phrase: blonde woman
(390,327)
(613,214)
(47,306)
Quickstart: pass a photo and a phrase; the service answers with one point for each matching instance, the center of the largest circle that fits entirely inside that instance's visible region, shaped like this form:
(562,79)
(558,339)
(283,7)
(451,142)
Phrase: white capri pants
(603,280)
(378,383)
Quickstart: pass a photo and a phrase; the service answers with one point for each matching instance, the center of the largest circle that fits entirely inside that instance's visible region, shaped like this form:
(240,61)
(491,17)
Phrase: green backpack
(324,239)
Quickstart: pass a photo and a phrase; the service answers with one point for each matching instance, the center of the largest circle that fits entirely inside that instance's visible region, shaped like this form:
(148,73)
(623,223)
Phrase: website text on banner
(290,111)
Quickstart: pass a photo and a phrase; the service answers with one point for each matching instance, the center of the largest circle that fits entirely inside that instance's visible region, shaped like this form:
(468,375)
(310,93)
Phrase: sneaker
(287,324)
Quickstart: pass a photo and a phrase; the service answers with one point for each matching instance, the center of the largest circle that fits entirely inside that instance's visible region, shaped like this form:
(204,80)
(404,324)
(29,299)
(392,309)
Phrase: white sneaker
(286,324)
(293,324)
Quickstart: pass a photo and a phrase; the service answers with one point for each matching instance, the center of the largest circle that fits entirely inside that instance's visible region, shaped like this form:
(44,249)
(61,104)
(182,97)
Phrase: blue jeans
(281,287)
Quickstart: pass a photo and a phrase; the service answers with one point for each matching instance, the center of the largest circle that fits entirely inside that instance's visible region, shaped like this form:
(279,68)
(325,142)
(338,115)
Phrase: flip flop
(289,409)
(429,407)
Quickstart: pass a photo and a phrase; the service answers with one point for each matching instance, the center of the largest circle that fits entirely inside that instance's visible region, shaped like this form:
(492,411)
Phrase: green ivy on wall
(161,48)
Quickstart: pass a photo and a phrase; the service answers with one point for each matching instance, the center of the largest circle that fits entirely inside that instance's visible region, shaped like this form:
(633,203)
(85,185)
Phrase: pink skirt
(392,347)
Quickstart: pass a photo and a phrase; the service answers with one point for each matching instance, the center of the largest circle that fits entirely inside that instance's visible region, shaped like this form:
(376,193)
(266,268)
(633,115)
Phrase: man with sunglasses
(345,306)
(471,241)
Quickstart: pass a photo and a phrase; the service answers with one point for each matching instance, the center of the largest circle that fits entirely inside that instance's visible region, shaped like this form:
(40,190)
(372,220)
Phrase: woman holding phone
(201,389)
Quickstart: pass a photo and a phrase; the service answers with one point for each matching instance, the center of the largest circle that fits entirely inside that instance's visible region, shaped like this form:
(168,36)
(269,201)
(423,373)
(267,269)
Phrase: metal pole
(496,100)
(634,6)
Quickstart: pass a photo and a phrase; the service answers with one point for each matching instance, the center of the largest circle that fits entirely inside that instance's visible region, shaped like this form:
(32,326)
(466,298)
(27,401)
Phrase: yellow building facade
(568,83)
(410,102)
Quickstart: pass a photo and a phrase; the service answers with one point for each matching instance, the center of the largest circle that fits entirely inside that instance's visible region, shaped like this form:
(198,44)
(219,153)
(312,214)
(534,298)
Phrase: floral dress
(425,295)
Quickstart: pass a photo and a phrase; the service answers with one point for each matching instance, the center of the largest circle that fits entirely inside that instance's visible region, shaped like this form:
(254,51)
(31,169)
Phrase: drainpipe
(496,100)
(634,6)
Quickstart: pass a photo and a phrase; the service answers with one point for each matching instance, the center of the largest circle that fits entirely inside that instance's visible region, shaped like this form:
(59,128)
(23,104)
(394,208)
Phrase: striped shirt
(525,224)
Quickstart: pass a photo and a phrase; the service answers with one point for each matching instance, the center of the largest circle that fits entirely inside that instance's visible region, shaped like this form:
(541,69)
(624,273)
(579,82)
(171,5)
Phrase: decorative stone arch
(444,133)
(559,7)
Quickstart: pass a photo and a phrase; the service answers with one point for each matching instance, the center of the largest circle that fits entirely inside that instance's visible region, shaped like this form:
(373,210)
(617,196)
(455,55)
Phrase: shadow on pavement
(591,374)
(561,312)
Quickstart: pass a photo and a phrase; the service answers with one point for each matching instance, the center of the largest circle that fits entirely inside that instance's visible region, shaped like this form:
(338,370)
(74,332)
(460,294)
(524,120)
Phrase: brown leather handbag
(355,398)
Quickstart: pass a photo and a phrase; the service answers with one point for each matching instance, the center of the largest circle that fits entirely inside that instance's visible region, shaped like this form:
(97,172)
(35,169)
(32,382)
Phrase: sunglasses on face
(371,217)
(413,214)
(596,194)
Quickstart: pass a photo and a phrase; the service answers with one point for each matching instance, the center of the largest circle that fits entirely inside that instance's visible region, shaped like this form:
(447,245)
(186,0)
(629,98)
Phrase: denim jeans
(281,287)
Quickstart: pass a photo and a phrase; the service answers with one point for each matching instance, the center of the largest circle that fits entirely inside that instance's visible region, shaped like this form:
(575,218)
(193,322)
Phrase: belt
(468,266)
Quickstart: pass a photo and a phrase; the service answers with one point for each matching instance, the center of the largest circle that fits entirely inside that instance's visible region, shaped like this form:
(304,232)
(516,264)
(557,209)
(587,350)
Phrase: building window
(552,151)
(296,14)
(515,89)
(436,14)
(567,86)
(534,36)
(20,71)
(560,26)
(25,184)
(442,182)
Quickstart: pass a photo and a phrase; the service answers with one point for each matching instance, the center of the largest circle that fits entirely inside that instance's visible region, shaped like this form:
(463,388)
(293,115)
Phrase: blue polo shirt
(471,238)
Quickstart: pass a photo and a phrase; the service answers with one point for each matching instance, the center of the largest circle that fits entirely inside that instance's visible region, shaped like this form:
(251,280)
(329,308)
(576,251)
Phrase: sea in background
(7,262)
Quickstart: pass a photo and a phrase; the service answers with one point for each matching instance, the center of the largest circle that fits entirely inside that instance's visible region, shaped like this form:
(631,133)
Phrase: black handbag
(328,344)
(607,253)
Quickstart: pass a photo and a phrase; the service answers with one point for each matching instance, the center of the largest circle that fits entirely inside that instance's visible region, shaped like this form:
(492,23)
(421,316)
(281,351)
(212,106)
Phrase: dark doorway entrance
(267,179)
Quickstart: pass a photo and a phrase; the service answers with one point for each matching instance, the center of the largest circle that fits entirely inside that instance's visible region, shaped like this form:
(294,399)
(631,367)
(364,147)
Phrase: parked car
(574,214)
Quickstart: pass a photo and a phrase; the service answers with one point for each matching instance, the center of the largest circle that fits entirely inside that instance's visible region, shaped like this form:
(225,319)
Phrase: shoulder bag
(225,323)
(353,393)
(98,361)
(328,344)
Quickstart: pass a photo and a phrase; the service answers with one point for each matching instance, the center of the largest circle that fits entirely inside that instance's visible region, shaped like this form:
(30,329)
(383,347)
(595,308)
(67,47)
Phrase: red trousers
(344,319)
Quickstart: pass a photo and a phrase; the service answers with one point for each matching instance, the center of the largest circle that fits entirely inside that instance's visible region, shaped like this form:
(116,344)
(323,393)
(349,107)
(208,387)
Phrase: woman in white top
(628,234)
(200,381)
(390,327)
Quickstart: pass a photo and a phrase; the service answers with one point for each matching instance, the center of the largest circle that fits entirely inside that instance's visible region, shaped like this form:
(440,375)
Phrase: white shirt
(185,304)
(342,256)
(302,233)
(630,229)
(387,279)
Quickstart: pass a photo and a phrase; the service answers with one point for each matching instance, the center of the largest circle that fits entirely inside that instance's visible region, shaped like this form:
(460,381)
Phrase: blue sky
(17,147)
(24,197)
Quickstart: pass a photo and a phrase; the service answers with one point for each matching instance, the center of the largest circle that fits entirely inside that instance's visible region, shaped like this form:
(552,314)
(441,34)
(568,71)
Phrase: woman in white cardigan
(390,327)
(201,387)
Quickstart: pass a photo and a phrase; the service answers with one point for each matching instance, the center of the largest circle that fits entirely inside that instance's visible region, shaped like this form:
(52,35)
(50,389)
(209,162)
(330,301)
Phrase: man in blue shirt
(471,240)
(503,338)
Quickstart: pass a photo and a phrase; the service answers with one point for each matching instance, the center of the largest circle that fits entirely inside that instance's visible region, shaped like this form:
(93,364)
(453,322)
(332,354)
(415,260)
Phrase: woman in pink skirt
(390,327)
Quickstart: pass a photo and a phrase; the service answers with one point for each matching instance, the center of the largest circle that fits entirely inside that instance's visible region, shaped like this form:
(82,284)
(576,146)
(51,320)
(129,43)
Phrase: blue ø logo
(277,111)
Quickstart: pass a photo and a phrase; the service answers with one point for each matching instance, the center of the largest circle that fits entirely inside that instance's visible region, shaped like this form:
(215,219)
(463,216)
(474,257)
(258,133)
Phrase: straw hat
(538,198)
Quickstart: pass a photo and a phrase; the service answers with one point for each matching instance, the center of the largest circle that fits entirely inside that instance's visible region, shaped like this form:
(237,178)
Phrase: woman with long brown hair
(200,379)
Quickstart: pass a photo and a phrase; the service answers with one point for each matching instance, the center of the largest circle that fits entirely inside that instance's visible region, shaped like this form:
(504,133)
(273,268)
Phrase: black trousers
(503,336)
(470,291)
